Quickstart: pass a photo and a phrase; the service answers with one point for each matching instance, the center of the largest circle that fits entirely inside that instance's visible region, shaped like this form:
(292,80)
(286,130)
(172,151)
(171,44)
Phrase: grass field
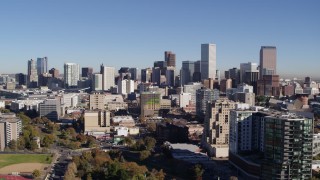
(10,159)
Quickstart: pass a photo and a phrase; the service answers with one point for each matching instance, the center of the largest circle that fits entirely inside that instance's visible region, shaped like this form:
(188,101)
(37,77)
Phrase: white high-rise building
(97,82)
(107,77)
(125,86)
(71,74)
(208,61)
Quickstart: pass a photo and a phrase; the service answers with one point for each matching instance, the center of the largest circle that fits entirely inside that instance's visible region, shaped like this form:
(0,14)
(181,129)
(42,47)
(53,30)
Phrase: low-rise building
(96,122)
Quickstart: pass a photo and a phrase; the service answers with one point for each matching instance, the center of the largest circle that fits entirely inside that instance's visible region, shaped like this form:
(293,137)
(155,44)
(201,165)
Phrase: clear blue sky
(136,33)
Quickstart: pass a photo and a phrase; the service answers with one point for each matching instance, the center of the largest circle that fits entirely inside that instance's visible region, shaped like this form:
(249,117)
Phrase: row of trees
(97,164)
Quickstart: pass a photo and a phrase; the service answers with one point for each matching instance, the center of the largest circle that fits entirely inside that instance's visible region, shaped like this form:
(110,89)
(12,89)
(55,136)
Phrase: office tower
(156,76)
(218,77)
(42,65)
(134,73)
(97,82)
(225,84)
(287,148)
(108,74)
(187,71)
(71,74)
(246,68)
(203,97)
(96,101)
(208,61)
(234,75)
(96,122)
(269,86)
(268,61)
(125,86)
(192,89)
(170,58)
(44,79)
(146,75)
(170,76)
(150,104)
(216,127)
(124,73)
(86,72)
(32,77)
(50,108)
(10,129)
(21,79)
(197,71)
(54,72)
(160,64)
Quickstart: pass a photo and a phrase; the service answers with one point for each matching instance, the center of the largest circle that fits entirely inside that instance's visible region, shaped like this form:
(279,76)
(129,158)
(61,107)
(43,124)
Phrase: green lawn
(9,159)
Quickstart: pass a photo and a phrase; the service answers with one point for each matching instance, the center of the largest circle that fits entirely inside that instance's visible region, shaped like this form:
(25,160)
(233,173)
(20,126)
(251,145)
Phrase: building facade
(32,77)
(108,74)
(42,65)
(71,74)
(208,61)
(268,60)
(215,136)
(287,148)
(10,129)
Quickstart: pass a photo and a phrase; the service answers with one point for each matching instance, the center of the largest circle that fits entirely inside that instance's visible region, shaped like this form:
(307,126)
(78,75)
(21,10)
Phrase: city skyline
(132,34)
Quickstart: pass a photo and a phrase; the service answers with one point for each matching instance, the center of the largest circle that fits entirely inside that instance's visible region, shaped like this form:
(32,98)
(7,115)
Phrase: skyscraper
(42,65)
(268,61)
(170,58)
(146,75)
(97,82)
(71,74)
(54,72)
(246,68)
(208,61)
(134,73)
(107,77)
(32,77)
(86,72)
(187,71)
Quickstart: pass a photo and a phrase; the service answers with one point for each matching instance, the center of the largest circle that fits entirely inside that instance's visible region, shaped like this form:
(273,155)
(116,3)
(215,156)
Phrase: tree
(151,127)
(36,173)
(25,119)
(21,144)
(149,142)
(128,141)
(48,140)
(33,145)
(2,110)
(144,155)
(197,171)
(70,174)
(139,146)
(13,145)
